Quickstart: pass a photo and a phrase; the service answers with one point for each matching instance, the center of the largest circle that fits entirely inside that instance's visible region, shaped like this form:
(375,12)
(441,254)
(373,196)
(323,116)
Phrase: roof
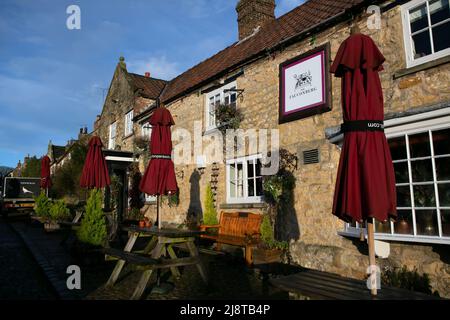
(58,152)
(310,14)
(151,87)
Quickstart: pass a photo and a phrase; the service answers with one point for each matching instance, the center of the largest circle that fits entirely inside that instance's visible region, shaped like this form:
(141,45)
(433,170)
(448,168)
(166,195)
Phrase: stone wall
(313,231)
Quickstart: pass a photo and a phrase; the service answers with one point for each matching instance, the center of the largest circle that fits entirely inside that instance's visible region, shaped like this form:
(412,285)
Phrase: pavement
(44,260)
(21,278)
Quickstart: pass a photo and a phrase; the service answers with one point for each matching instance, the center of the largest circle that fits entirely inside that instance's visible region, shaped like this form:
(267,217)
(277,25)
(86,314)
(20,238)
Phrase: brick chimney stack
(253,14)
(147,74)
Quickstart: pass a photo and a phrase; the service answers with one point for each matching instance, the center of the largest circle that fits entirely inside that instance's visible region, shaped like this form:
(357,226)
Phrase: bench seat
(236,228)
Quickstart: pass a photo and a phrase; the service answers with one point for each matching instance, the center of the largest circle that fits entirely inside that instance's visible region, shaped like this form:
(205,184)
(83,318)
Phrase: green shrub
(42,205)
(405,279)
(210,215)
(93,225)
(59,211)
(267,235)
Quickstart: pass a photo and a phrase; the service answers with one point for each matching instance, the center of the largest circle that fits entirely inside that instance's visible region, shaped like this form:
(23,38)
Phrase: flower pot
(264,256)
(51,226)
(403,227)
(142,224)
(148,224)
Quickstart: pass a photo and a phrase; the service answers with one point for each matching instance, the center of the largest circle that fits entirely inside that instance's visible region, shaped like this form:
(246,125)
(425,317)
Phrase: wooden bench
(74,222)
(319,285)
(236,228)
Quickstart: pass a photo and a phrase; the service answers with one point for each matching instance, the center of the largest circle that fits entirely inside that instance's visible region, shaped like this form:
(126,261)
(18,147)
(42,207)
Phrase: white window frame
(112,138)
(128,127)
(405,126)
(146,130)
(409,45)
(245,198)
(222,96)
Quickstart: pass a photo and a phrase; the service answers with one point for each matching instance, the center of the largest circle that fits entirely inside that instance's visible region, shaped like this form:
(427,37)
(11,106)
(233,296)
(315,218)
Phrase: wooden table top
(165,232)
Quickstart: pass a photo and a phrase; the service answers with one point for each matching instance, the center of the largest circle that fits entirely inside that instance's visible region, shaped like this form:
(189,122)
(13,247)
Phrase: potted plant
(42,205)
(92,233)
(268,250)
(58,212)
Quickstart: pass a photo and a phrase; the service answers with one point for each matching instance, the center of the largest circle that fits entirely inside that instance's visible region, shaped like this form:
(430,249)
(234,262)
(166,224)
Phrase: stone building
(246,74)
(129,94)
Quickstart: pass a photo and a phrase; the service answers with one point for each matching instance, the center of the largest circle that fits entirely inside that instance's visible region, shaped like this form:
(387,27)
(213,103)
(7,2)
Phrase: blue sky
(53,80)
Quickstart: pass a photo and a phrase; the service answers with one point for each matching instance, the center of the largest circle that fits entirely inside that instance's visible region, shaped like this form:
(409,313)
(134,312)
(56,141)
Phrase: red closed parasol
(95,172)
(365,185)
(159,177)
(46,181)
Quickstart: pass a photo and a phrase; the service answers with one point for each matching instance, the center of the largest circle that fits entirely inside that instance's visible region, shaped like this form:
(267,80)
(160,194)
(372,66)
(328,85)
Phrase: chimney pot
(147,74)
(253,14)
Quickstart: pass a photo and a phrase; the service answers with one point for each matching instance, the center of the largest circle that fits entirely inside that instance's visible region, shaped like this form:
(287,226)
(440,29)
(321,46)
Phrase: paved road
(20,276)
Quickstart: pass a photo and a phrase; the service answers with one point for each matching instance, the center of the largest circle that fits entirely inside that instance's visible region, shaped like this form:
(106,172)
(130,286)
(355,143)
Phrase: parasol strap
(362,125)
(161,156)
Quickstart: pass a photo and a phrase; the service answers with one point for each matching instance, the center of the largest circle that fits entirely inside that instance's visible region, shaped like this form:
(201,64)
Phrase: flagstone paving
(229,277)
(20,275)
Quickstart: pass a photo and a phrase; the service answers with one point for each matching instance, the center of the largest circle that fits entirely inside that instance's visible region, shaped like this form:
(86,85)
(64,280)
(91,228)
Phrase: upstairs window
(129,123)
(146,130)
(112,135)
(224,95)
(426,27)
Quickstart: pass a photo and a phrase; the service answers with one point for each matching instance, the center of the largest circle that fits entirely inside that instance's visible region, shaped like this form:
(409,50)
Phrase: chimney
(147,74)
(253,14)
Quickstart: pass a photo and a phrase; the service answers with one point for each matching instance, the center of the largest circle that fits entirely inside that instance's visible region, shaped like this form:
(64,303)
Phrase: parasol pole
(157,213)
(372,261)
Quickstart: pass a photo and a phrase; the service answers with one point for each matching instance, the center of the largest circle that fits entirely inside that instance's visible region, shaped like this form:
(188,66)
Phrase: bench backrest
(240,224)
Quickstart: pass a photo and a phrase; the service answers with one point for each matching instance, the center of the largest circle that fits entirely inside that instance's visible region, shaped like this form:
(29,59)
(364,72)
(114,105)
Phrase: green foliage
(59,211)
(32,167)
(210,215)
(66,181)
(93,225)
(42,205)
(172,200)
(135,195)
(115,187)
(405,279)
(228,117)
(267,235)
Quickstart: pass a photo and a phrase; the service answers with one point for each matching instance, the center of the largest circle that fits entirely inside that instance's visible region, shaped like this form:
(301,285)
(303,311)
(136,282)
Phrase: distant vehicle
(18,194)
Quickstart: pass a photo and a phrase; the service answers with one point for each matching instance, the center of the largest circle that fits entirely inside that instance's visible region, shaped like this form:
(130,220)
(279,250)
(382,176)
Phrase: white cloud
(158,66)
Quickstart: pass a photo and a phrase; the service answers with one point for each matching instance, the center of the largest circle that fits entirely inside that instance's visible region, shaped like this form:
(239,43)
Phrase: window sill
(128,136)
(399,238)
(427,65)
(260,205)
(210,131)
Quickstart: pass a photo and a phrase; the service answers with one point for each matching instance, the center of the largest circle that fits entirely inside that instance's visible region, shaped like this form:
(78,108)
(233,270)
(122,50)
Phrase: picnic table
(160,243)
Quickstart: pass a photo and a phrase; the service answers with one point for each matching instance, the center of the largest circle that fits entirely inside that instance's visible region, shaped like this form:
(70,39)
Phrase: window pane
(422,44)
(444,194)
(441,37)
(424,196)
(382,227)
(422,170)
(441,141)
(232,189)
(445,222)
(419,145)
(250,171)
(401,172)
(403,196)
(240,171)
(443,169)
(439,11)
(426,222)
(404,224)
(259,187)
(251,187)
(398,148)
(232,172)
(418,18)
